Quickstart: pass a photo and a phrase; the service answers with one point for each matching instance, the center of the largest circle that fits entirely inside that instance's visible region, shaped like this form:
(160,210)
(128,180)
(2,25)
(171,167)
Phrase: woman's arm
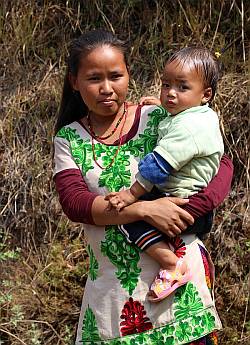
(75,198)
(163,213)
(214,194)
(80,205)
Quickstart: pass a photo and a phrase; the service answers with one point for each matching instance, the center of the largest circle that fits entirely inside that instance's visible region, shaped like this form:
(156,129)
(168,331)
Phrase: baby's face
(182,88)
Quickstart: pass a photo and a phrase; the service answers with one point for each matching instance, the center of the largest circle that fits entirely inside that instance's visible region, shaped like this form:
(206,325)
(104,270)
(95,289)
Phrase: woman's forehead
(103,56)
(104,51)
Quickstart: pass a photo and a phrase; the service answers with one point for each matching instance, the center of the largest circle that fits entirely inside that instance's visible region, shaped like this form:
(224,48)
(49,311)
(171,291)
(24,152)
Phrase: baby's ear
(208,93)
(73,81)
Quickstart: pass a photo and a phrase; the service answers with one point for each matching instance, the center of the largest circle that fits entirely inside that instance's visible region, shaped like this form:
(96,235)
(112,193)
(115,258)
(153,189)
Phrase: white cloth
(115,307)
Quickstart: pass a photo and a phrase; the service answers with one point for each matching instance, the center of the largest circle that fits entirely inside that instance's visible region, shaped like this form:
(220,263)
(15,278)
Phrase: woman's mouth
(107,102)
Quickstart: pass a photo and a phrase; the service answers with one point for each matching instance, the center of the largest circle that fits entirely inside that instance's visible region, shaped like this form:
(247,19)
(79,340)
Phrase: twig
(242,31)
(245,314)
(104,17)
(185,14)
(31,321)
(217,25)
(12,335)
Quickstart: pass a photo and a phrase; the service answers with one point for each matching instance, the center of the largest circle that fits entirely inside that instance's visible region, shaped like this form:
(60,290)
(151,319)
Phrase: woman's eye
(93,77)
(116,76)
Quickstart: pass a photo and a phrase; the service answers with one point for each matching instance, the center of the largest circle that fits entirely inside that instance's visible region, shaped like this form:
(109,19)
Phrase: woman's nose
(106,87)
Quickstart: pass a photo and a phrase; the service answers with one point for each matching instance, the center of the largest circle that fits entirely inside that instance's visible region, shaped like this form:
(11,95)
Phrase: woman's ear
(73,81)
(208,93)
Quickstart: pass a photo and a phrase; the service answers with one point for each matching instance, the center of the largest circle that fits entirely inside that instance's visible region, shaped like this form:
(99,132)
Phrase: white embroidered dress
(115,309)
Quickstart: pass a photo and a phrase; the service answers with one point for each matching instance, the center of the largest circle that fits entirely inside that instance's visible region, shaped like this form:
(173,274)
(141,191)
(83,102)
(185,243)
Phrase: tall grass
(43,260)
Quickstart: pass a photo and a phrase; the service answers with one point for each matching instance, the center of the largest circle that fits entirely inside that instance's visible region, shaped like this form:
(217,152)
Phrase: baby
(185,159)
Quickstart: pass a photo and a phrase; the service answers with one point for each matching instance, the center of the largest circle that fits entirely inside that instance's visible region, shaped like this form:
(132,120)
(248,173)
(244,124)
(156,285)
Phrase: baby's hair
(72,107)
(204,62)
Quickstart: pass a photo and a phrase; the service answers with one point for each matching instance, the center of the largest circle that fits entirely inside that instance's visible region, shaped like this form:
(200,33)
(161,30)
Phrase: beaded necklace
(119,145)
(114,129)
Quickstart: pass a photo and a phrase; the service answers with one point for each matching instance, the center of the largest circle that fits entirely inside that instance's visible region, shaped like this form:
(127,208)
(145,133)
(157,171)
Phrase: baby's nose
(172,92)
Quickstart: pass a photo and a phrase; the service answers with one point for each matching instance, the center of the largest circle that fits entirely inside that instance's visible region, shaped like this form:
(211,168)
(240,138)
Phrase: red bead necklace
(101,140)
(114,129)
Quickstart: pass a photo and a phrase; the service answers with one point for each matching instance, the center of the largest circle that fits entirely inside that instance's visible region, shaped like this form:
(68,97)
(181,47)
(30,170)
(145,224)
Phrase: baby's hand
(149,100)
(119,200)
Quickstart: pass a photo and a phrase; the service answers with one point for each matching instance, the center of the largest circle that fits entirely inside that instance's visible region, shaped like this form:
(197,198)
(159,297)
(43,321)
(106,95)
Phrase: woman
(98,144)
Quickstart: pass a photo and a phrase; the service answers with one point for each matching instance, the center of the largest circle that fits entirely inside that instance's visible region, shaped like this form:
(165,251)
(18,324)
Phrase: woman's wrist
(101,216)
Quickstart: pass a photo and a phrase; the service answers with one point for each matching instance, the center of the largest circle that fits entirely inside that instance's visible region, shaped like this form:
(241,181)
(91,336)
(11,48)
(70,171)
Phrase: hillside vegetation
(43,261)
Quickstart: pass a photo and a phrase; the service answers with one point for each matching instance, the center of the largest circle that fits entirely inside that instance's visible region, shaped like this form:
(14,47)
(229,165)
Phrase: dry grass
(42,257)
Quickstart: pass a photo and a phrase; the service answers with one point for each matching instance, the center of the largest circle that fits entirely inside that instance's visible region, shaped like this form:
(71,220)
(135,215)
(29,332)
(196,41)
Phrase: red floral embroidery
(179,247)
(135,319)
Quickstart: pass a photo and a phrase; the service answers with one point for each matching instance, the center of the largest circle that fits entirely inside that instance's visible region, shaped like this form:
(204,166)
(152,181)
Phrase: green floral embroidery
(187,301)
(118,342)
(183,331)
(80,150)
(90,332)
(169,341)
(118,175)
(93,264)
(148,139)
(208,320)
(157,338)
(140,339)
(123,255)
(168,330)
(198,329)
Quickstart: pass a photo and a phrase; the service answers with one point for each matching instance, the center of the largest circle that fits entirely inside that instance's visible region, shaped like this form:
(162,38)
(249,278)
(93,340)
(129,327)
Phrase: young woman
(98,144)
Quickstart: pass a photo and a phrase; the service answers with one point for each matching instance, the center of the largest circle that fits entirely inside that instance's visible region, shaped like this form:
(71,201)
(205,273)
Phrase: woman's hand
(149,100)
(166,215)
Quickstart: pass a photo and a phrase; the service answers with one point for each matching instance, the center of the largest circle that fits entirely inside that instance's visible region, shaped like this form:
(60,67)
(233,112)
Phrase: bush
(42,256)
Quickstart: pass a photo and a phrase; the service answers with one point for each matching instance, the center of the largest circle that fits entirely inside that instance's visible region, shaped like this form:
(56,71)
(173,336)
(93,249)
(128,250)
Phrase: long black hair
(72,107)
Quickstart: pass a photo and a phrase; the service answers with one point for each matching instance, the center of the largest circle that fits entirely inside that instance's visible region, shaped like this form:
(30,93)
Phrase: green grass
(43,261)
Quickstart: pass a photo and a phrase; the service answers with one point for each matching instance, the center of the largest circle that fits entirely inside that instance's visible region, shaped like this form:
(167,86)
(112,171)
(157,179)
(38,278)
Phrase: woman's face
(102,80)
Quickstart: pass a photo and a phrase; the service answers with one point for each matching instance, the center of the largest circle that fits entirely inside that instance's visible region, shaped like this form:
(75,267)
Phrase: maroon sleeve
(215,193)
(75,198)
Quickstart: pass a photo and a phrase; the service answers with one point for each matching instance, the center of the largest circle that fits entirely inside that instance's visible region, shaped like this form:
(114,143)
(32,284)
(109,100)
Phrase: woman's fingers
(149,100)
(178,201)
(175,231)
(167,216)
(184,215)
(110,195)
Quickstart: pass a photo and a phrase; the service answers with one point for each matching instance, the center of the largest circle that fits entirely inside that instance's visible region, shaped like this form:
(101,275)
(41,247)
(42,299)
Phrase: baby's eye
(164,84)
(183,87)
